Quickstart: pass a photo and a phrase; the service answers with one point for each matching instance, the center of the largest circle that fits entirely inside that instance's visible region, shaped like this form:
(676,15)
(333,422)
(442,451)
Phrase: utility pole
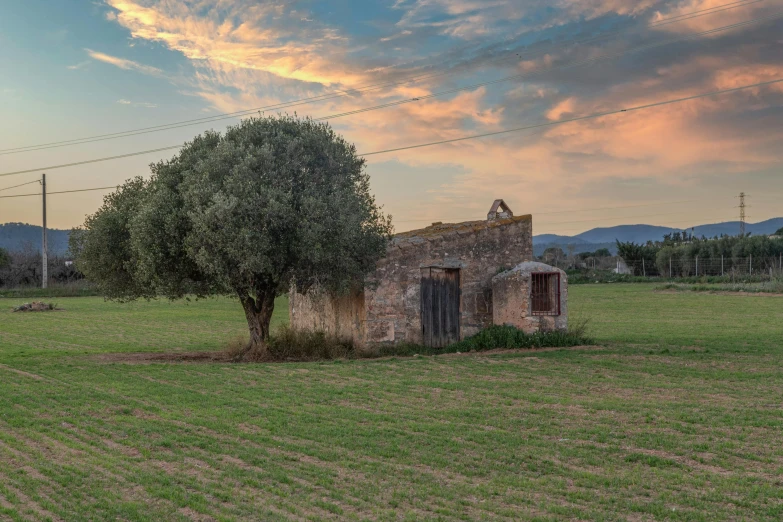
(44,253)
(742,214)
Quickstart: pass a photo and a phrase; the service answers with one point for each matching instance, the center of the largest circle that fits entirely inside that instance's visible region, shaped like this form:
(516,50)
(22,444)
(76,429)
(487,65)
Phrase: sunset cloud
(122,63)
(146,105)
(247,54)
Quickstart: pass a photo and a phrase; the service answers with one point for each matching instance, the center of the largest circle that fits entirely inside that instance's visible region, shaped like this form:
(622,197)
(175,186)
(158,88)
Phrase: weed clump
(36,306)
(773,286)
(290,344)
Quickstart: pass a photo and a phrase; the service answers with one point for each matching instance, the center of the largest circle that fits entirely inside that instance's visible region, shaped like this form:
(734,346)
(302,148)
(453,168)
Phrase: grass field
(678,415)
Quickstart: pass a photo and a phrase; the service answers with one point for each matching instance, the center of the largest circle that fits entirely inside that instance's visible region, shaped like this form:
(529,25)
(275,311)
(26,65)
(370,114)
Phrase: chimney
(499,210)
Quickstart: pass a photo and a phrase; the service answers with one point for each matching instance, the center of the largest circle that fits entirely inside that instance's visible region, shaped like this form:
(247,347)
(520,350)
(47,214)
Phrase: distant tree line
(555,254)
(679,252)
(23,268)
(601,252)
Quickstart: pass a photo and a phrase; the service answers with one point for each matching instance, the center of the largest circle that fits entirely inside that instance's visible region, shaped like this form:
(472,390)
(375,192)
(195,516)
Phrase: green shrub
(290,344)
(497,337)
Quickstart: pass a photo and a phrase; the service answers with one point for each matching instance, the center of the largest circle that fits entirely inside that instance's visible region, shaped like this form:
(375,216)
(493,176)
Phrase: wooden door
(440,297)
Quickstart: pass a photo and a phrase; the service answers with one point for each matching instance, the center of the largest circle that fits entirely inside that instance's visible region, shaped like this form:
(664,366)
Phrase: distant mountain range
(605,237)
(14,236)
(17,236)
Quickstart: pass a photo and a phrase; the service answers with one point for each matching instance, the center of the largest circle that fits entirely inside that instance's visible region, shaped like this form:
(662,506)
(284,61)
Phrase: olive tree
(273,204)
(5,258)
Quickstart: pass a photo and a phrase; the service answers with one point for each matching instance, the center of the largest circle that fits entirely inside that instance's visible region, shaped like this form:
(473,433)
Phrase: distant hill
(544,239)
(624,233)
(596,238)
(14,236)
(731,228)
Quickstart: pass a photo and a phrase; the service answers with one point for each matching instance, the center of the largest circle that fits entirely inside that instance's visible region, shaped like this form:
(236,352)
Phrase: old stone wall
(479,249)
(512,302)
(343,316)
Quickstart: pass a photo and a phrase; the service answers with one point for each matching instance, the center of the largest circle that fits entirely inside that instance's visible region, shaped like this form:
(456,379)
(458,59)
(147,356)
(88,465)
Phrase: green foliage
(5,259)
(779,232)
(682,251)
(275,203)
(639,258)
(496,337)
(103,249)
(289,344)
(553,254)
(509,337)
(601,252)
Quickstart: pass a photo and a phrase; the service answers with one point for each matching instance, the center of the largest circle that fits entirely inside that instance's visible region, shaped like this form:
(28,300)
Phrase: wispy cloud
(123,63)
(146,105)
(249,54)
(78,66)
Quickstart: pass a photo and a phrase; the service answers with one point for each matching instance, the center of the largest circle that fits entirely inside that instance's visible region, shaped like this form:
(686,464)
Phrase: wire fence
(723,266)
(674,267)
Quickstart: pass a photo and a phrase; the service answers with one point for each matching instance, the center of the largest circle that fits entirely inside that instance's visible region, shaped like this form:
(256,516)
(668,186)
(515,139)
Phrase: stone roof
(443,230)
(499,207)
(528,267)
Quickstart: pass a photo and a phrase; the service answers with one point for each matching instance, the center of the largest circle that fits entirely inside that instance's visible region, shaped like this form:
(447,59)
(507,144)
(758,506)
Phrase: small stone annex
(444,283)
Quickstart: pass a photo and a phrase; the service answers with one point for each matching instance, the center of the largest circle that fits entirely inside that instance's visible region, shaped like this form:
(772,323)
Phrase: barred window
(545,293)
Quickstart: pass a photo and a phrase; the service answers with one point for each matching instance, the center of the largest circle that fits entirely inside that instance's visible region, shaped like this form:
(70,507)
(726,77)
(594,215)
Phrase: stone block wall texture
(392,299)
(343,316)
(512,303)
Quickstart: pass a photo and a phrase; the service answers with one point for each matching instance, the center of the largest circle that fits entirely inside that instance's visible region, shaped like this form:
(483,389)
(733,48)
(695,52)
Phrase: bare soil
(224,357)
(151,357)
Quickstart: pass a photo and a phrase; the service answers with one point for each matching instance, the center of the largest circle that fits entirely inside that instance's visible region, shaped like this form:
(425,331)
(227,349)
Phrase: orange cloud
(122,63)
(263,63)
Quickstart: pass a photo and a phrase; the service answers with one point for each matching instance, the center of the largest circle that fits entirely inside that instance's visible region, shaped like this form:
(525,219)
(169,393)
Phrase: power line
(430,144)
(578,211)
(64,165)
(60,192)
(549,69)
(662,223)
(613,217)
(604,218)
(247,112)
(569,120)
(20,185)
(538,213)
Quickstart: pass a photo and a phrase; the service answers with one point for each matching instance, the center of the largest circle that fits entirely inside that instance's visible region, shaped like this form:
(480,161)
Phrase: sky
(84,68)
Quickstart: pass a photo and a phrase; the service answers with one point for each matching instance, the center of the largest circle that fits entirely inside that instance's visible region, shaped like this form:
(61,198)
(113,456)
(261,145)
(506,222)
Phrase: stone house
(435,286)
(531,296)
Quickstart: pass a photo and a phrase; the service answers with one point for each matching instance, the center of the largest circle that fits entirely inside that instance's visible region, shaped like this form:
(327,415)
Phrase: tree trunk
(258,313)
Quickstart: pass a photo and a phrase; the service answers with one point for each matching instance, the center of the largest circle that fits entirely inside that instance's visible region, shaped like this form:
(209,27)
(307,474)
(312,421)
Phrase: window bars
(545,293)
